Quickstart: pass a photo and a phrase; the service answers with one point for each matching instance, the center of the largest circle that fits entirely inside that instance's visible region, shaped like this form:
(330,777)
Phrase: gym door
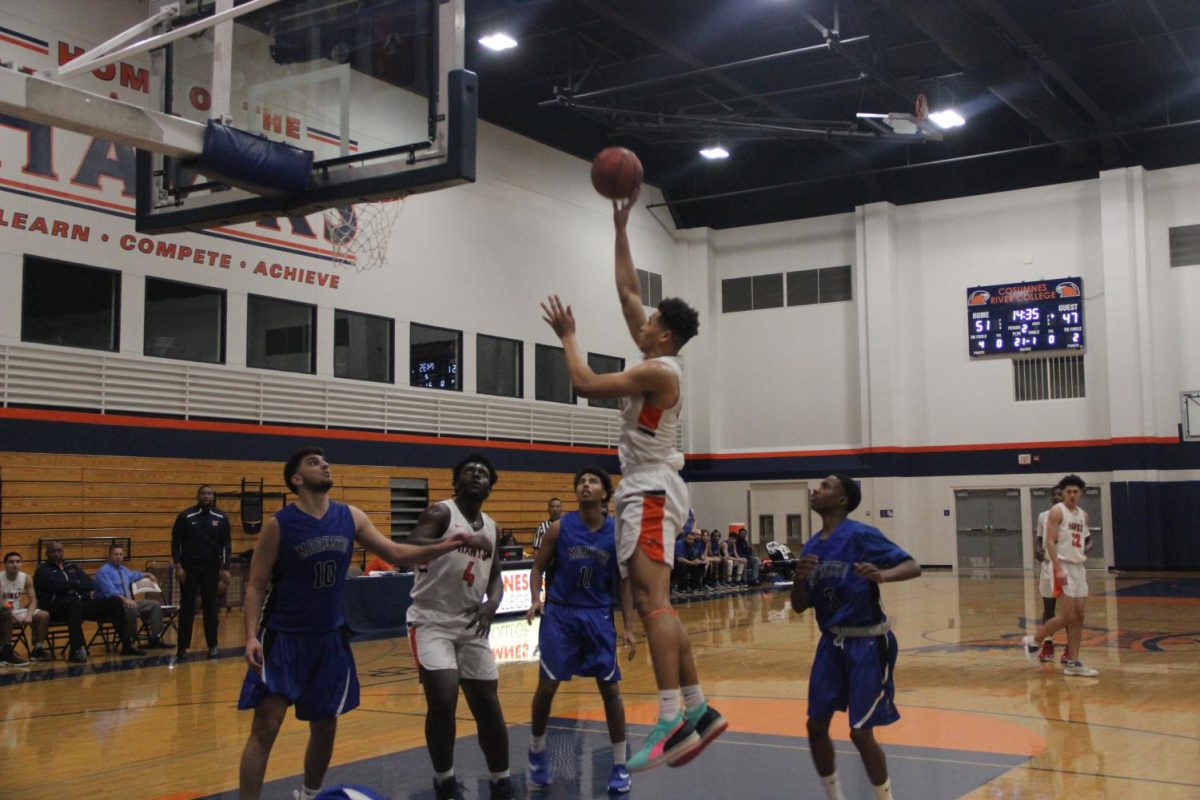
(989,528)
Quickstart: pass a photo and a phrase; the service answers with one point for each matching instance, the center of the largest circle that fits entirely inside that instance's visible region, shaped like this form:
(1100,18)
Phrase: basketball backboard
(374,88)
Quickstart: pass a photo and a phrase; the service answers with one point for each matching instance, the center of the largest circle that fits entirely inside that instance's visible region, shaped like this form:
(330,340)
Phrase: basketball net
(360,234)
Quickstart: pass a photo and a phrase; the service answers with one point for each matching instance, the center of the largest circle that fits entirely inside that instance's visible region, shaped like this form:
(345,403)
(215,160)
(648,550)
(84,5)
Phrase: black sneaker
(181,655)
(40,654)
(449,789)
(502,789)
(9,658)
(78,656)
(132,650)
(213,652)
(709,724)
(158,644)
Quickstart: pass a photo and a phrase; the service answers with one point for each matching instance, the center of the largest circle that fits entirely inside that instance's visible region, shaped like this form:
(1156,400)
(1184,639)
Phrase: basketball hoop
(921,107)
(359,234)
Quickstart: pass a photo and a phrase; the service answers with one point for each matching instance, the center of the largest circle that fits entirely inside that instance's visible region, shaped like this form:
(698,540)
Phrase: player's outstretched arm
(369,537)
(645,377)
(629,291)
(541,564)
(266,553)
(904,571)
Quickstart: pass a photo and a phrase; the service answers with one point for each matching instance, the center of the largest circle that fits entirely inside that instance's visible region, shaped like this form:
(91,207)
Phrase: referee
(554,509)
(200,545)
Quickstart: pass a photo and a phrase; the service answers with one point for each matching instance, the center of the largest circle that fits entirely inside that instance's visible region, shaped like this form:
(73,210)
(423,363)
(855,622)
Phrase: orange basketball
(616,172)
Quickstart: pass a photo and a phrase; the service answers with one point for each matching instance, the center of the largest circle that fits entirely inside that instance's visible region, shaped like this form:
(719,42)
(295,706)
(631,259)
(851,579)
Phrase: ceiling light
(498,41)
(947,119)
(714,153)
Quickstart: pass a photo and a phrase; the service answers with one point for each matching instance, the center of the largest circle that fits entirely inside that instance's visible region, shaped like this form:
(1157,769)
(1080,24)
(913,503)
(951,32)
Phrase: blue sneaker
(669,739)
(619,779)
(539,776)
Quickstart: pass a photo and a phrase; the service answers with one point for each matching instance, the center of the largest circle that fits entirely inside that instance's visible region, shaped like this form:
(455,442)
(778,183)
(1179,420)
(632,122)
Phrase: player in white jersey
(454,600)
(1045,575)
(16,586)
(652,500)
(1066,546)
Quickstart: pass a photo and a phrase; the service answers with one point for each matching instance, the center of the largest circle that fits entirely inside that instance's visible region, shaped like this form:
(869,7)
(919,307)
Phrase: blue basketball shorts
(312,671)
(578,641)
(856,675)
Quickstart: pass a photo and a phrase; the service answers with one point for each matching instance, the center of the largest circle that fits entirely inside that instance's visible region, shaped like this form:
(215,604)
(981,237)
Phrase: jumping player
(1066,545)
(1046,577)
(577,636)
(295,646)
(652,500)
(448,625)
(838,575)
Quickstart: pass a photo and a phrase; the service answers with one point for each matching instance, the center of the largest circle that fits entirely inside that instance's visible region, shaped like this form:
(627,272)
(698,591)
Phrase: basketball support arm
(40,100)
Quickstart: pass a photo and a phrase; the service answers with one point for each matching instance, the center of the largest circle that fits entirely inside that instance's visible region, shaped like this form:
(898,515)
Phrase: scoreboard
(1025,317)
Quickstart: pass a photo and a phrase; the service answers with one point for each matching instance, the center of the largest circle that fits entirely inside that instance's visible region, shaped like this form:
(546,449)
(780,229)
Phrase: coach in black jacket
(200,545)
(62,590)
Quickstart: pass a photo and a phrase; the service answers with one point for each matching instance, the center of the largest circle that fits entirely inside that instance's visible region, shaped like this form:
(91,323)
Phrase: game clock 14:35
(1031,317)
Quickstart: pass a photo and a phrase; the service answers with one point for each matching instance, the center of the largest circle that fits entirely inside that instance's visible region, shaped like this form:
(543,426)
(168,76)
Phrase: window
(552,382)
(651,286)
(499,366)
(795,528)
(1049,378)
(70,304)
(766,527)
(280,335)
(826,285)
(602,365)
(767,291)
(1185,245)
(834,284)
(184,321)
(736,295)
(362,347)
(434,355)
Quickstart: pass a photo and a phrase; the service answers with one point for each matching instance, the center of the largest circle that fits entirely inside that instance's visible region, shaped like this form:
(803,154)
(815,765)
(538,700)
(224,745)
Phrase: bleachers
(44,496)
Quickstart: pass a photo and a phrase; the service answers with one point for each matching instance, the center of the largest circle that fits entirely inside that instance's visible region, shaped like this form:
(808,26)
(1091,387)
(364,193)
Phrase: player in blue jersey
(295,646)
(577,637)
(838,575)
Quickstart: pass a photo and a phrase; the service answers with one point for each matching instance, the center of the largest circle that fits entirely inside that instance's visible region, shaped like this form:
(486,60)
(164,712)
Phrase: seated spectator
(15,585)
(507,539)
(737,564)
(694,562)
(114,580)
(716,558)
(746,551)
(61,588)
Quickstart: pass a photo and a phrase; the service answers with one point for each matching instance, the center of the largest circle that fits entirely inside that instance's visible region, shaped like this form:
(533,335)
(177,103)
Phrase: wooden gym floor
(978,720)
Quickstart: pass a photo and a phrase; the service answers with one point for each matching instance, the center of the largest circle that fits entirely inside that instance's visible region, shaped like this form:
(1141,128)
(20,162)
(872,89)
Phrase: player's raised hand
(868,572)
(535,610)
(806,566)
(558,316)
(621,208)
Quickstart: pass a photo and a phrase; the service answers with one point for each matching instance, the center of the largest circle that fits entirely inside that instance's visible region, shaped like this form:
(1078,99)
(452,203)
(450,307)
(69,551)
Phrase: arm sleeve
(178,532)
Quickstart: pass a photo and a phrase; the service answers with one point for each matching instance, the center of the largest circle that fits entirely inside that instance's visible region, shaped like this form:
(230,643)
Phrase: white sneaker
(1077,669)
(1030,648)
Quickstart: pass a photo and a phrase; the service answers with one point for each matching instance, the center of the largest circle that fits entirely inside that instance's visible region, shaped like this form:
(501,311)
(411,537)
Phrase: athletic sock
(442,777)
(309,794)
(833,790)
(498,776)
(537,744)
(883,792)
(693,697)
(668,704)
(618,751)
